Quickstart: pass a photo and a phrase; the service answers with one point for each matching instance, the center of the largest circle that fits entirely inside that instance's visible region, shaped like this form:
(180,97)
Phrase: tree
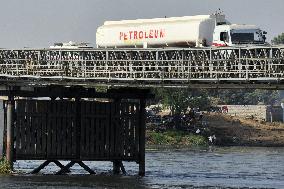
(178,100)
(246,96)
(278,39)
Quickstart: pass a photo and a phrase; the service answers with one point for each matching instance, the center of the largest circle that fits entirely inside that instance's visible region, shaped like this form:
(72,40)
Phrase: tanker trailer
(187,31)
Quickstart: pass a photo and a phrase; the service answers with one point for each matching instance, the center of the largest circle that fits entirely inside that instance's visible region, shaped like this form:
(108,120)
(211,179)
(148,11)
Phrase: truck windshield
(242,37)
(245,36)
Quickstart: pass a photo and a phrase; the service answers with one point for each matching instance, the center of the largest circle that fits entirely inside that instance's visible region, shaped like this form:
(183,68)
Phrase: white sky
(40,23)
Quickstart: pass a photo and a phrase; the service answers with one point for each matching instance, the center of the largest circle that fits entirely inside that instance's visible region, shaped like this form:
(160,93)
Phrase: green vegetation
(5,167)
(178,100)
(172,137)
(245,96)
(278,39)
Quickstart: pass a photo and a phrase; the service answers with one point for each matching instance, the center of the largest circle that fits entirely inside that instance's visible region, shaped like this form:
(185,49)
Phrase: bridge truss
(261,67)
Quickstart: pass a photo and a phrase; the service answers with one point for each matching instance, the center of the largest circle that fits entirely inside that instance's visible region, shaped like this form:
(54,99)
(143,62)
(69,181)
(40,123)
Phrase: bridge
(243,67)
(77,123)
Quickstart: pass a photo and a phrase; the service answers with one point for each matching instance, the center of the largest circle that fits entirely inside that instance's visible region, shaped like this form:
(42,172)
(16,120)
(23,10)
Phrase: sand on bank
(231,130)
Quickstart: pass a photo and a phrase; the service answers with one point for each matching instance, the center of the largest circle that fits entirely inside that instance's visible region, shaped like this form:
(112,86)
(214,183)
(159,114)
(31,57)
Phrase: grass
(173,137)
(5,167)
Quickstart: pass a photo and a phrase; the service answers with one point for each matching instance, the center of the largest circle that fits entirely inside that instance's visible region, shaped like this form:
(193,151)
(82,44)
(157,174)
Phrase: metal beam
(79,92)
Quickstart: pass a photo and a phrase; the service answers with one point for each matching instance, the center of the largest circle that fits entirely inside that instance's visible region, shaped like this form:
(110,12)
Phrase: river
(215,167)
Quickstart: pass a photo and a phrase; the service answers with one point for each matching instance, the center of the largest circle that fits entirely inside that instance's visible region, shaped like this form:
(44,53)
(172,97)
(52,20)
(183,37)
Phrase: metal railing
(146,66)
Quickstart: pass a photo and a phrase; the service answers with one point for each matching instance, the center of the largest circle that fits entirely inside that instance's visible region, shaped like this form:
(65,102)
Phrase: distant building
(259,112)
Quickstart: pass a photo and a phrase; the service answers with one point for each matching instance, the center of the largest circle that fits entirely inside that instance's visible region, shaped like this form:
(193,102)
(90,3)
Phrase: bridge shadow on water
(71,181)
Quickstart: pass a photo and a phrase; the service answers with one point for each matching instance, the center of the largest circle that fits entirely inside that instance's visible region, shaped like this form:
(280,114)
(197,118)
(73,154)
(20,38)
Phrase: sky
(40,23)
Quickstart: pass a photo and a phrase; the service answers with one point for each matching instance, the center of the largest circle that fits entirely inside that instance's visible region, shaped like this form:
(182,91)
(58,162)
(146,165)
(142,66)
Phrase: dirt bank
(246,132)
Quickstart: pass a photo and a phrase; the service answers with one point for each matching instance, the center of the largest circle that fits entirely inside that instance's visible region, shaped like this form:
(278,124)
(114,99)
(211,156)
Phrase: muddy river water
(230,167)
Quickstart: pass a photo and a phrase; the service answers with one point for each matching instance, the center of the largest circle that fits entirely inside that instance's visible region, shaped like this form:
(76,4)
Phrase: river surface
(232,167)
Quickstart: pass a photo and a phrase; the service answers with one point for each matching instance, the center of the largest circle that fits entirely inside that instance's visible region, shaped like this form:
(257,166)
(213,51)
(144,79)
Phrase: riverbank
(175,138)
(235,131)
(229,131)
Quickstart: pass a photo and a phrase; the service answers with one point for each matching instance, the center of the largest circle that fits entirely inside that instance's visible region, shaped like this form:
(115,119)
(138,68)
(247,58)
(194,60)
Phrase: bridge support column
(10,131)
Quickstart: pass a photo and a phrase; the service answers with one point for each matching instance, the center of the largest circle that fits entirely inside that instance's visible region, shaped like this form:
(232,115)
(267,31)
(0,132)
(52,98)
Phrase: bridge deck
(260,67)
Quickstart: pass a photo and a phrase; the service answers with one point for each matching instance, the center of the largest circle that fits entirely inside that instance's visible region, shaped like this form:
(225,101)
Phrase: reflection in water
(233,167)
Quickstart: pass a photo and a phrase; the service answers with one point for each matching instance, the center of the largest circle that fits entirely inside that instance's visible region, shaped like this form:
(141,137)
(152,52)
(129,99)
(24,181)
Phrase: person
(212,138)
(225,109)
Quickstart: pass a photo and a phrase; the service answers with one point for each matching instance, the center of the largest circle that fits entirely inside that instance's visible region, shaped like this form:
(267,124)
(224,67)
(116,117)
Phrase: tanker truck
(188,31)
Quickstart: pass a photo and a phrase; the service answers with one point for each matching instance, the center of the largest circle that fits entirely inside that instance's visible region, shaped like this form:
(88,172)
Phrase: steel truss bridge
(245,67)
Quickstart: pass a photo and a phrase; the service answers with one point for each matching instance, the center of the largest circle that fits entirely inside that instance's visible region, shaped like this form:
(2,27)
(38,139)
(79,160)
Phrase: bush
(5,167)
(175,138)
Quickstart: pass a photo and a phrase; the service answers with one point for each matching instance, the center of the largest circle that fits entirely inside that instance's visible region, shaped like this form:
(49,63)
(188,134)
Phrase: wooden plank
(136,131)
(67,134)
(65,114)
(50,109)
(59,118)
(111,129)
(38,129)
(83,128)
(103,128)
(69,129)
(44,128)
(27,149)
(32,122)
(33,128)
(25,129)
(57,134)
(73,125)
(97,127)
(107,130)
(19,127)
(99,130)
(29,130)
(53,129)
(132,136)
(142,126)
(87,130)
(60,129)
(78,127)
(119,130)
(64,117)
(124,129)
(93,129)
(128,128)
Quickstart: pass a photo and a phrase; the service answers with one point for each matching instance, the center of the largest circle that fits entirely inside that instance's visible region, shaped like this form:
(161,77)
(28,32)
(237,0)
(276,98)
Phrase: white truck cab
(237,35)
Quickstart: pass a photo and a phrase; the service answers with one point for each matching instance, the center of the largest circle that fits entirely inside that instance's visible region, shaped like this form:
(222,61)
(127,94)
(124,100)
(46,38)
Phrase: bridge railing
(145,65)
